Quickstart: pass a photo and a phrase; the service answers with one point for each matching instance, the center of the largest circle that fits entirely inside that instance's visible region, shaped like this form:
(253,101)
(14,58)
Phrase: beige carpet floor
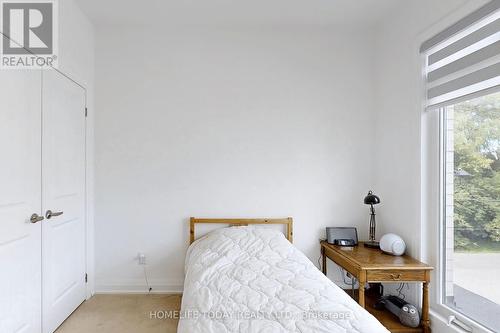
(124,314)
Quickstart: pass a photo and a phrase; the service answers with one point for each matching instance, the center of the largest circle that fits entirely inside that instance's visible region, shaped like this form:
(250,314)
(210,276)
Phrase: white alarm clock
(392,244)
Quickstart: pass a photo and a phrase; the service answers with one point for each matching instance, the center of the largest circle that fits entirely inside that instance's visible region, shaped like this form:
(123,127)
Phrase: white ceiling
(245,12)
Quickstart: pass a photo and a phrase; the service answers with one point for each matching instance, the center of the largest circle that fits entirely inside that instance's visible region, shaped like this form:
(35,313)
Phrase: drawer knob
(396,276)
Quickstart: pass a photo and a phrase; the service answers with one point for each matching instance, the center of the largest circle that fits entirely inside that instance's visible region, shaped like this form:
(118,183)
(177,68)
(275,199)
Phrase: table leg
(361,292)
(425,307)
(323,256)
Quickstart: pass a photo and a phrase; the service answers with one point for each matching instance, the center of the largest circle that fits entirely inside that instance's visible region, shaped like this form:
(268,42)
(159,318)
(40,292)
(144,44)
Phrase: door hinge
(86,112)
(86,278)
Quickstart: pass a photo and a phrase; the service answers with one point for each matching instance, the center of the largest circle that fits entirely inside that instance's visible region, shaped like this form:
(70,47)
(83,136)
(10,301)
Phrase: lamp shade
(371,199)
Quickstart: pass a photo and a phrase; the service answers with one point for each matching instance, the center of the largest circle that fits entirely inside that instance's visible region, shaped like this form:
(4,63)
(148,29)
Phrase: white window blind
(464,60)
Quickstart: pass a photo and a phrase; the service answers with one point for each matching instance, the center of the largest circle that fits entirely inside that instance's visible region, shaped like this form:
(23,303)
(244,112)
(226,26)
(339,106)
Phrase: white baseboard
(138,286)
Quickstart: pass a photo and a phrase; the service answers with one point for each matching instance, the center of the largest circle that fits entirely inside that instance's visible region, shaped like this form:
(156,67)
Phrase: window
(462,85)
(471,219)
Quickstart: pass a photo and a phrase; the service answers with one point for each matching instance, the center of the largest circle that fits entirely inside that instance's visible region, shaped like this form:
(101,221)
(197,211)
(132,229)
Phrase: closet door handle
(36,218)
(49,214)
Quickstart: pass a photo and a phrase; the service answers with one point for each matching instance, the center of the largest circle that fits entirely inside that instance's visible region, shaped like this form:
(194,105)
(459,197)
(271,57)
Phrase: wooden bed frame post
(289,230)
(241,222)
(191,230)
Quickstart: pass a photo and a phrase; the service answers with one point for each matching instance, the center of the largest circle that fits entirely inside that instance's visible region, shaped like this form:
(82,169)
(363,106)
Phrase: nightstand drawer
(394,275)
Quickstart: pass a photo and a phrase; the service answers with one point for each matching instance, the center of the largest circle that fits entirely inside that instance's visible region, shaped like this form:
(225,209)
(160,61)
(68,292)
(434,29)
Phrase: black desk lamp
(371,199)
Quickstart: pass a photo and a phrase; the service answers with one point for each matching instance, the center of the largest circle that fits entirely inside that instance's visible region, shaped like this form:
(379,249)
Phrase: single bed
(248,278)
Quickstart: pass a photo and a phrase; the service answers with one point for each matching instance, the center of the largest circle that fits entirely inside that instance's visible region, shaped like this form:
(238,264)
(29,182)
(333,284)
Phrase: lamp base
(372,244)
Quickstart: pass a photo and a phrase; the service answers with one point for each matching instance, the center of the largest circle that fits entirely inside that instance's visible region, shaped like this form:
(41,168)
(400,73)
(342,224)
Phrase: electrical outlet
(141,258)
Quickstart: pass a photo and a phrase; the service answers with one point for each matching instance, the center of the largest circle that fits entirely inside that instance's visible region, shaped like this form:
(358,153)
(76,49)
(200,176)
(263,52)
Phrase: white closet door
(63,193)
(20,197)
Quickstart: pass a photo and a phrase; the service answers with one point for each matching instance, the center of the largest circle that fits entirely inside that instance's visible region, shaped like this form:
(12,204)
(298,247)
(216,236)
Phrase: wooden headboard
(242,222)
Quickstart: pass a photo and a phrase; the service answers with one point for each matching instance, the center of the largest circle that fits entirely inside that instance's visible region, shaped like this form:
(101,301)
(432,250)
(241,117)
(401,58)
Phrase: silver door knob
(49,214)
(36,218)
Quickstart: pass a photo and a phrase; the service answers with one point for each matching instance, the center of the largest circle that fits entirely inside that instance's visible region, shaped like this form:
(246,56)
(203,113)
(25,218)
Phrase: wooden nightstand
(372,265)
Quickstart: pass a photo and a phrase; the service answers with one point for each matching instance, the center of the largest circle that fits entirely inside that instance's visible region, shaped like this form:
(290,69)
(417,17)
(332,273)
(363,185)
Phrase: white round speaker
(392,244)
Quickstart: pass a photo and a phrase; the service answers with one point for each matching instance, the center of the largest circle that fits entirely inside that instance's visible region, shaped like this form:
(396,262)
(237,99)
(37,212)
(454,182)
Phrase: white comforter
(251,279)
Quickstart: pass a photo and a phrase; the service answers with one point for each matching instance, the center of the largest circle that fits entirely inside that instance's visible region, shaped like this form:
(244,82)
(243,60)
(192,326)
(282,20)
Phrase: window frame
(434,216)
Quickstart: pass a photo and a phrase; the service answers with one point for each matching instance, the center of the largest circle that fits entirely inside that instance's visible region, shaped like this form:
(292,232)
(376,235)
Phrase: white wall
(241,122)
(399,110)
(76,59)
